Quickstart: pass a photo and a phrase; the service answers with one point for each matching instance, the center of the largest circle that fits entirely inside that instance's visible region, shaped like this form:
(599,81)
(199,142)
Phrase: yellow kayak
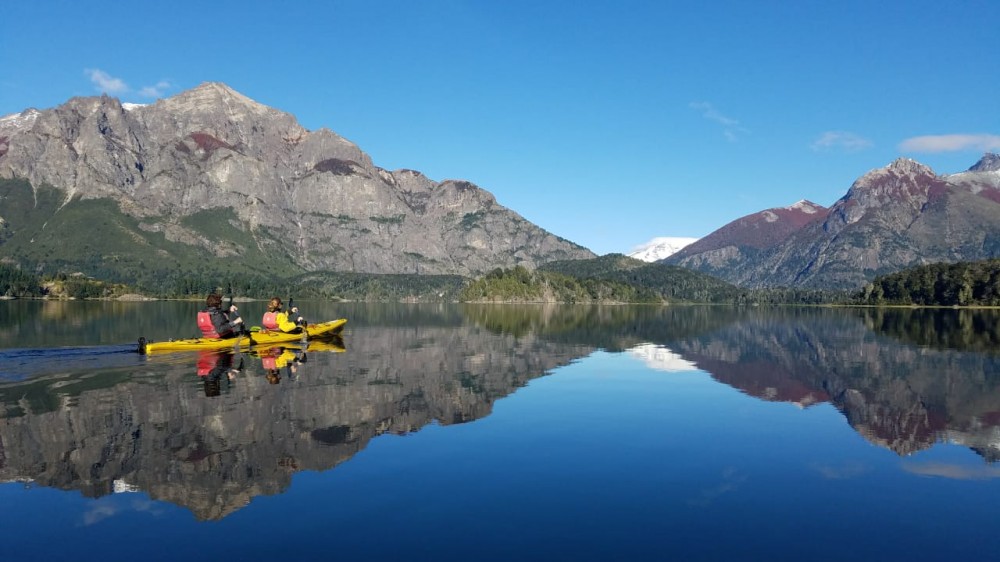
(263,337)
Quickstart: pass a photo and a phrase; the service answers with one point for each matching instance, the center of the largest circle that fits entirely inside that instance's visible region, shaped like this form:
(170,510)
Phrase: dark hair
(214,300)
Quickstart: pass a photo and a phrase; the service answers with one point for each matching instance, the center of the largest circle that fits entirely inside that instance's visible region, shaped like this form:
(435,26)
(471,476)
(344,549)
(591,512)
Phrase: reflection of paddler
(279,357)
(212,367)
(276,359)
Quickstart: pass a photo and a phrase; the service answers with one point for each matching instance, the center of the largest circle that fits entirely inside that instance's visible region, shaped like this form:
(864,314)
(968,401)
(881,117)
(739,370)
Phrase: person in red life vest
(215,323)
(275,319)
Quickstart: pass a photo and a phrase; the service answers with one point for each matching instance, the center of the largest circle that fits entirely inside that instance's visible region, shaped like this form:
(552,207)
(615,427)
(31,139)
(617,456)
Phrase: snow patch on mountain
(660,248)
(805,207)
(130,106)
(977,181)
(19,120)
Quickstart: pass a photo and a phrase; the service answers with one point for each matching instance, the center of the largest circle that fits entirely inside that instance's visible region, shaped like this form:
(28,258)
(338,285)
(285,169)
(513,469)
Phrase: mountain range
(209,173)
(210,178)
(892,218)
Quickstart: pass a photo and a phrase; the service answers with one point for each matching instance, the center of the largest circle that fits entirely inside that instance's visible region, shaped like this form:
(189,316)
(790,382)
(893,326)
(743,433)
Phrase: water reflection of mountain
(154,429)
(898,395)
(613,328)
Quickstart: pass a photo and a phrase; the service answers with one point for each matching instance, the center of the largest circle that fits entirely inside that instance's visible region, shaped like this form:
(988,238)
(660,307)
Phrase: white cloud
(105,82)
(951,143)
(156,91)
(841,140)
(732,131)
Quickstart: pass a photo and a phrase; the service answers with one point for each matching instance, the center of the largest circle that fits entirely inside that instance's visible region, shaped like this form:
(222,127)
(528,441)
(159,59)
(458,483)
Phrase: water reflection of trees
(48,323)
(614,328)
(961,329)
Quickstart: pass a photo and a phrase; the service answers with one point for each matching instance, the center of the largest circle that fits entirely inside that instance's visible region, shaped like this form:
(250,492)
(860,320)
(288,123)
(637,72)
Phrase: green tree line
(958,284)
(518,284)
(22,282)
(15,282)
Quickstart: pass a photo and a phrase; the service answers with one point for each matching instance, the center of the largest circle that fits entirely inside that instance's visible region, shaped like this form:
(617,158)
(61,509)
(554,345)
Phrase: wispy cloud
(731,127)
(155,91)
(840,140)
(108,84)
(105,82)
(951,143)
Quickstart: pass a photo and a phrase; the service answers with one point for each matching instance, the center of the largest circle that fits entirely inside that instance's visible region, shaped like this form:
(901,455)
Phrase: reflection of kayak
(263,337)
(332,344)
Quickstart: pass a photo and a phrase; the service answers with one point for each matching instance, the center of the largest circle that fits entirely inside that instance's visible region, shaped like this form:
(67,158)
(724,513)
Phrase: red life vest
(269,362)
(270,320)
(206,326)
(207,361)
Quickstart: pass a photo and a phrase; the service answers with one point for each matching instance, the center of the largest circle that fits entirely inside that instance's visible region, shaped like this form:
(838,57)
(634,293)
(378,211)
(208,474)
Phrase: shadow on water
(211,431)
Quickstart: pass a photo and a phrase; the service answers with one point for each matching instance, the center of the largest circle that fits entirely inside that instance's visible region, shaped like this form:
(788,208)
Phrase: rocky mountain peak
(907,167)
(891,218)
(990,162)
(903,179)
(309,197)
(213,95)
(216,108)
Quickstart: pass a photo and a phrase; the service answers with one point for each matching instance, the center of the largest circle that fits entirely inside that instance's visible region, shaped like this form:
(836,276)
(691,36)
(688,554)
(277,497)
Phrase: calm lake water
(503,433)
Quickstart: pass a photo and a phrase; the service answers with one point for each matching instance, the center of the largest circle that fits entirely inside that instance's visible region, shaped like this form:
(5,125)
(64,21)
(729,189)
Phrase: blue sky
(606,123)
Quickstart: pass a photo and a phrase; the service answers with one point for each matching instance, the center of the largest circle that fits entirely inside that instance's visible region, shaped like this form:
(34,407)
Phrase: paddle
(291,305)
(243,327)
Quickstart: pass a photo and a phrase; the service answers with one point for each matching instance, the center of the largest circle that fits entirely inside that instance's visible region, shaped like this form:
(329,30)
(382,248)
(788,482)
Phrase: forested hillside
(671,283)
(617,278)
(959,284)
(16,282)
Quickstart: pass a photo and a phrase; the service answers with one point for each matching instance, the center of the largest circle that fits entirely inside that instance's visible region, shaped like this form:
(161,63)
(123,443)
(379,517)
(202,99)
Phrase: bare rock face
(313,193)
(892,218)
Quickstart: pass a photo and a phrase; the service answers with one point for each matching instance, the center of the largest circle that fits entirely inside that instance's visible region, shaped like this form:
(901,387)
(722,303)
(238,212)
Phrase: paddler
(276,319)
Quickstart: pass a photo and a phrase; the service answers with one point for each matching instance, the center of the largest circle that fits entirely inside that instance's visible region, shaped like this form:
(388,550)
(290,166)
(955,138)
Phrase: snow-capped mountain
(659,248)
